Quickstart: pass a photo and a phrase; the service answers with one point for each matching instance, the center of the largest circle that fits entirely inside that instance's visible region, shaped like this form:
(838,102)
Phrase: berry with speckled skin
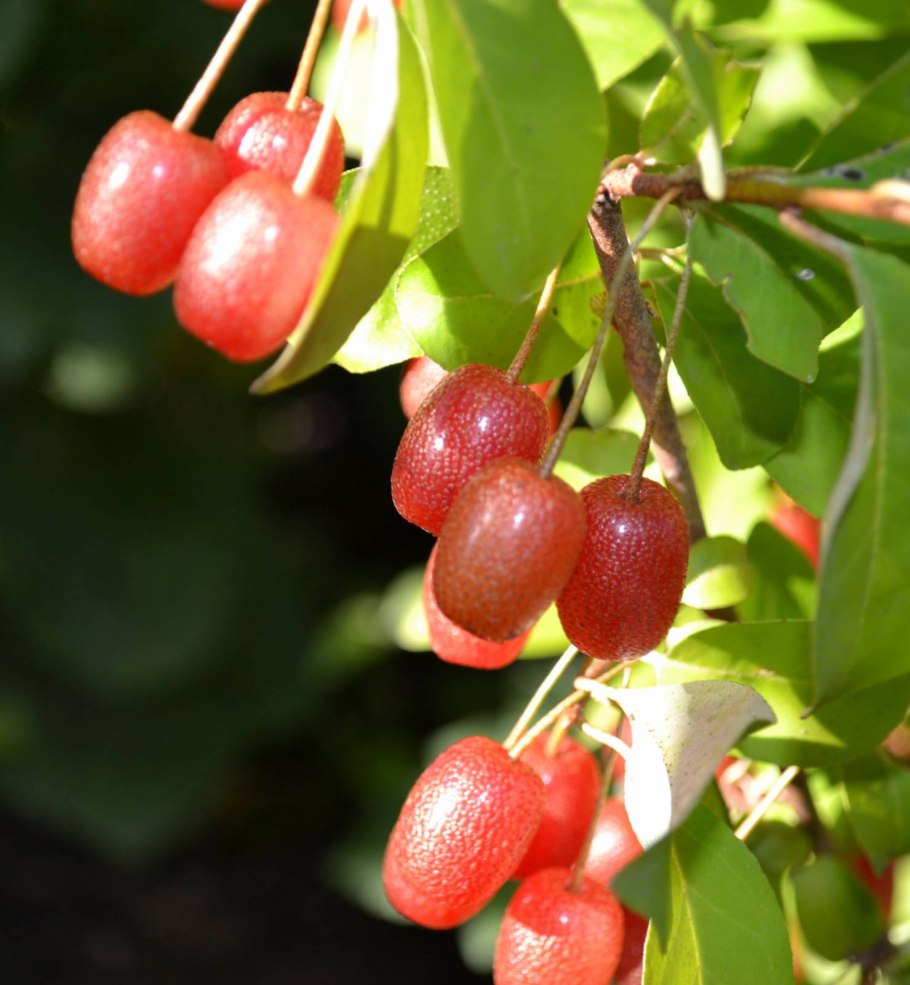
(142,193)
(248,269)
(456,645)
(551,935)
(261,133)
(466,822)
(614,844)
(625,591)
(508,547)
(571,781)
(473,416)
(631,961)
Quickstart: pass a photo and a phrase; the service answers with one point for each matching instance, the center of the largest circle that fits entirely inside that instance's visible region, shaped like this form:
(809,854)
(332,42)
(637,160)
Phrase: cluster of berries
(512,539)
(238,223)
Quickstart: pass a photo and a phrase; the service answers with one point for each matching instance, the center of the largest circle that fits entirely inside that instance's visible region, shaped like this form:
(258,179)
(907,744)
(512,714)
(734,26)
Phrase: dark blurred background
(206,728)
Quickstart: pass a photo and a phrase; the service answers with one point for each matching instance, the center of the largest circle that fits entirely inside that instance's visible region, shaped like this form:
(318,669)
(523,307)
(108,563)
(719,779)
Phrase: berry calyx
(554,935)
(456,645)
(463,827)
(476,414)
(250,265)
(262,133)
(507,549)
(571,781)
(614,844)
(625,591)
(143,190)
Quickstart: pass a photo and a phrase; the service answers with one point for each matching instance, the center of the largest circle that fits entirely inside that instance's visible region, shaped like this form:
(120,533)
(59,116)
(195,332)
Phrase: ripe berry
(476,414)
(800,527)
(465,824)
(142,193)
(631,961)
(418,379)
(571,782)
(553,935)
(614,844)
(456,645)
(507,549)
(225,4)
(624,594)
(249,267)
(261,133)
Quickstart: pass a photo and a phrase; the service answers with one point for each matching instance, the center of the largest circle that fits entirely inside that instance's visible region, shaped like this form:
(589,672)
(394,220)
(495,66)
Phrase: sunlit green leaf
(589,454)
(774,659)
(524,127)
(784,582)
(719,573)
(878,801)
(866,550)
(381,213)
(725,922)
(749,407)
(818,20)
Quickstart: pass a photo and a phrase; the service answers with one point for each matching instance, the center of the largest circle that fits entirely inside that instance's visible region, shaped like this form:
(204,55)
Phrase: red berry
(631,961)
(141,194)
(625,592)
(552,935)
(800,527)
(456,645)
(554,407)
(260,133)
(476,414)
(881,883)
(246,276)
(571,781)
(418,379)
(225,4)
(614,844)
(507,549)
(465,824)
(340,9)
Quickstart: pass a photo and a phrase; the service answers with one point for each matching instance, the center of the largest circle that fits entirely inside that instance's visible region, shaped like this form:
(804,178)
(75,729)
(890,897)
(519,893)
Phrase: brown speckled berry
(465,824)
(625,591)
(507,549)
(473,416)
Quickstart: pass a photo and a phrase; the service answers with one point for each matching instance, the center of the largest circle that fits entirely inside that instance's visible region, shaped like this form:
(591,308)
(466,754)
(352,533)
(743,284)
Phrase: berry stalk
(301,84)
(543,302)
(189,112)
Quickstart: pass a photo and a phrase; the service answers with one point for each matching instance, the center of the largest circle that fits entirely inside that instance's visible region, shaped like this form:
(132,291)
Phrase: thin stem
(306,176)
(763,806)
(578,868)
(887,200)
(634,488)
(543,302)
(613,292)
(189,112)
(308,58)
(608,739)
(539,696)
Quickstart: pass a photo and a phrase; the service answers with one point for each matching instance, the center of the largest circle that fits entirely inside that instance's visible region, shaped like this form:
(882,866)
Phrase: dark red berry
(614,844)
(246,276)
(142,193)
(625,592)
(465,824)
(571,781)
(554,935)
(261,133)
(631,961)
(456,645)
(476,414)
(508,547)
(225,4)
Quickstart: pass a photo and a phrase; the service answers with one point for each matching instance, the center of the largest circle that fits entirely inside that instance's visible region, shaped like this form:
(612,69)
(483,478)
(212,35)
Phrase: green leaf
(524,127)
(878,800)
(837,913)
(875,117)
(808,465)
(381,213)
(774,659)
(788,295)
(674,126)
(749,407)
(719,573)
(725,924)
(455,318)
(587,455)
(618,35)
(680,732)
(380,338)
(784,581)
(820,20)
(862,620)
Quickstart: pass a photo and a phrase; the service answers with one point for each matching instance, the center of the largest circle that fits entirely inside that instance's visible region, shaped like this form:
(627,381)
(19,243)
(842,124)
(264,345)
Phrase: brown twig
(641,355)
